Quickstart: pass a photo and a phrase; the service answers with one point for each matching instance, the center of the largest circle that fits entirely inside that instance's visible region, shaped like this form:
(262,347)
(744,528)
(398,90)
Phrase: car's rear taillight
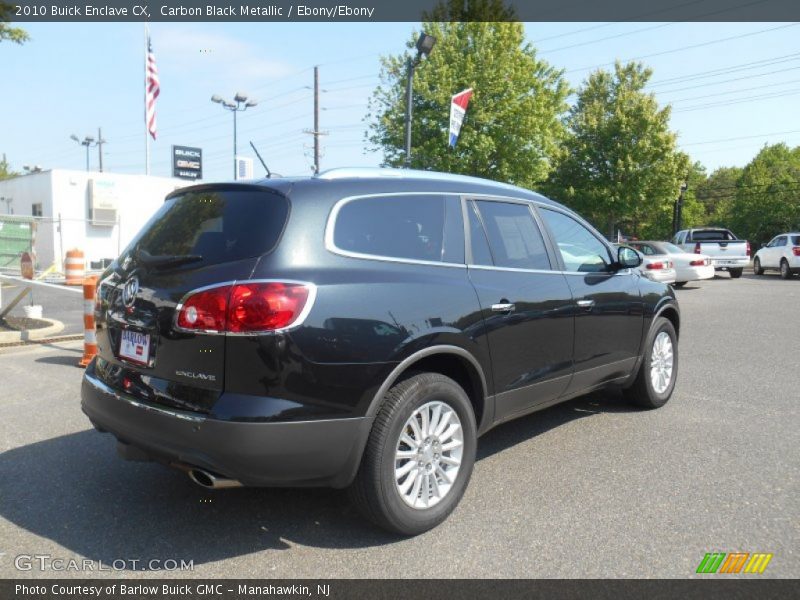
(796,250)
(244,308)
(265,306)
(698,263)
(747,245)
(697,248)
(205,310)
(656,266)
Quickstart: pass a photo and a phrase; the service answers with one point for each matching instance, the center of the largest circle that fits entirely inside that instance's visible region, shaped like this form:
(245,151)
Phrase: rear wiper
(165,260)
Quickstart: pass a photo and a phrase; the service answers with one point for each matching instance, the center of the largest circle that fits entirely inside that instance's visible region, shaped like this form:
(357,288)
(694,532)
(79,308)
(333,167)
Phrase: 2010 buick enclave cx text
(361,328)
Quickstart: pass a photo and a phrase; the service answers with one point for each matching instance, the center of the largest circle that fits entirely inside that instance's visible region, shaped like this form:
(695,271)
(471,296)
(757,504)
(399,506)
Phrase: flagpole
(146,132)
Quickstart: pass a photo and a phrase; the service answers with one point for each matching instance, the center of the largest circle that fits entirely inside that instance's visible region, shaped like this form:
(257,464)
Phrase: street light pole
(88,142)
(424,46)
(677,210)
(240,103)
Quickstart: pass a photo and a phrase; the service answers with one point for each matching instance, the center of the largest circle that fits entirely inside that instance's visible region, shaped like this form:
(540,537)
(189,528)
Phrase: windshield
(212,226)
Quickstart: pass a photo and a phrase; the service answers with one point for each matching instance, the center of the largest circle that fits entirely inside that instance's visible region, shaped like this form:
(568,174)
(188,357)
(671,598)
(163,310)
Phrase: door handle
(586,304)
(503,307)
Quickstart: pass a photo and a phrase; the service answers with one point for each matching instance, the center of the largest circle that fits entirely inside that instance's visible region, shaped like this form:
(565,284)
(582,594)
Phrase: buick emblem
(129,291)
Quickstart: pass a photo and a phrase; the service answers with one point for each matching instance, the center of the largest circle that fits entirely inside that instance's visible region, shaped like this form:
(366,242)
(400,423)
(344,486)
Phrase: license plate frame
(134,347)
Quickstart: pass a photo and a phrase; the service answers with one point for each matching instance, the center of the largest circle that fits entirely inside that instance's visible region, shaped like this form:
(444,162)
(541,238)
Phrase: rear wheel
(655,380)
(786,272)
(757,268)
(736,273)
(419,455)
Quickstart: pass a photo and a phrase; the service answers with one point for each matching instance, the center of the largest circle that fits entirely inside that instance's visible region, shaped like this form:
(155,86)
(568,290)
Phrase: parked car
(782,253)
(654,266)
(727,252)
(688,267)
(336,330)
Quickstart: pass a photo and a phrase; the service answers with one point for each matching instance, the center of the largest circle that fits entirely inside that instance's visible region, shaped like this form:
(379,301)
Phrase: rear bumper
(662,275)
(307,453)
(736,262)
(694,273)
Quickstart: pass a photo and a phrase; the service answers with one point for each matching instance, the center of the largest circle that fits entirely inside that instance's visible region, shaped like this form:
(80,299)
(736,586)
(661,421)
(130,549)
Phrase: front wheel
(736,273)
(419,455)
(757,268)
(658,371)
(786,272)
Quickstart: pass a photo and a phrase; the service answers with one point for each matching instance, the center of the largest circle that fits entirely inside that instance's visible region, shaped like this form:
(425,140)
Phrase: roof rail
(372,172)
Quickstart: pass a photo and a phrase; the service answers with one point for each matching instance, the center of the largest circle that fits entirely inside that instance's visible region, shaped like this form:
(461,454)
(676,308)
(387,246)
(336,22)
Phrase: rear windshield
(712,235)
(218,225)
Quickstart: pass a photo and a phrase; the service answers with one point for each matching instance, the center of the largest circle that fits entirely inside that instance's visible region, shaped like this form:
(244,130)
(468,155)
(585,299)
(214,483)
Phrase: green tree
(767,198)
(619,165)
(5,169)
(512,125)
(7,32)
(693,213)
(717,194)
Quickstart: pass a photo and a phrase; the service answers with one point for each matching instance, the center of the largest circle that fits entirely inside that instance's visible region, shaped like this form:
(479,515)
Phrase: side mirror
(628,258)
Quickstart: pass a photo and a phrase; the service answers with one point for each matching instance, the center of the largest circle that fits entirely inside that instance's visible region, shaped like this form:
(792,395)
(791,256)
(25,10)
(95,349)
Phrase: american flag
(152,88)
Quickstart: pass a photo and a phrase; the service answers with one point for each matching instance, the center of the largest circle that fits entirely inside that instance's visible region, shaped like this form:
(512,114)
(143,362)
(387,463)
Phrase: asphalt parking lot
(591,488)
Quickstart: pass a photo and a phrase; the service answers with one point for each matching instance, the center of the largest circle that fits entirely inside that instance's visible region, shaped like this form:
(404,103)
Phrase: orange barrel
(75,267)
(89,335)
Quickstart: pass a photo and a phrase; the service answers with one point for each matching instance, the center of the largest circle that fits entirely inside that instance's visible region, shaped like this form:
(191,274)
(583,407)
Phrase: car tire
(757,268)
(377,491)
(736,273)
(679,284)
(648,389)
(786,272)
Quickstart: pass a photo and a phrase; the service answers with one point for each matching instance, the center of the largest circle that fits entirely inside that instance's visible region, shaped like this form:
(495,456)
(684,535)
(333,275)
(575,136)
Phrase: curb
(30,335)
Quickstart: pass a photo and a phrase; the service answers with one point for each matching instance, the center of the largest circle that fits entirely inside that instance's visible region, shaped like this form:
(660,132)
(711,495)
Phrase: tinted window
(796,240)
(781,241)
(481,255)
(410,227)
(580,249)
(219,225)
(712,235)
(514,237)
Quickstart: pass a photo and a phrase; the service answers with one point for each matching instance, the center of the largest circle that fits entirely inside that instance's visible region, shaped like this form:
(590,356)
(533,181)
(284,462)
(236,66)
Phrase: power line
(694,87)
(743,137)
(759,87)
(738,101)
(726,70)
(690,47)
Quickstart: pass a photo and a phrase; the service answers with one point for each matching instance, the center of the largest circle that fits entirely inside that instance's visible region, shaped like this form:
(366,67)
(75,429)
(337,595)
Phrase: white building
(98,213)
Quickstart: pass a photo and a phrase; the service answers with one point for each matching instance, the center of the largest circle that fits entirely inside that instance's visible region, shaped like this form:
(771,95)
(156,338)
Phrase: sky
(733,87)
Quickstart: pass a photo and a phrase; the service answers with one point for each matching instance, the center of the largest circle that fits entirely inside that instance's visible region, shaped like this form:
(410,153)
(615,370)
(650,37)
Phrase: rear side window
(218,225)
(408,227)
(796,240)
(514,236)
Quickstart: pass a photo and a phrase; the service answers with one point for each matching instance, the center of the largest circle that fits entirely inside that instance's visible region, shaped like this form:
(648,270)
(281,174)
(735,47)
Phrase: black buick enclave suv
(362,328)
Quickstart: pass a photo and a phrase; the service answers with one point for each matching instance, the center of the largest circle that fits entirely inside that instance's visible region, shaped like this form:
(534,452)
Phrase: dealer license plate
(135,346)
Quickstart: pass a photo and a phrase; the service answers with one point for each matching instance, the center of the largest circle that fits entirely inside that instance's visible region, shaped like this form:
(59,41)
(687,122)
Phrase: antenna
(261,160)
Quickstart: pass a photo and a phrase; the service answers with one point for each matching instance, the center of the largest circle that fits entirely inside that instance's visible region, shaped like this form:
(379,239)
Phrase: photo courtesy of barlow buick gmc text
(449,298)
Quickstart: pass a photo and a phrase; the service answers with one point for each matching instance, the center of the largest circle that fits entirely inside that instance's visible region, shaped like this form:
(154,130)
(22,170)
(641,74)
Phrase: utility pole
(100,142)
(316,119)
(316,131)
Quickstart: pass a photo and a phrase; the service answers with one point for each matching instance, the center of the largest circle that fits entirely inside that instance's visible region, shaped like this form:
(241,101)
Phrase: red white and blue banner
(458,108)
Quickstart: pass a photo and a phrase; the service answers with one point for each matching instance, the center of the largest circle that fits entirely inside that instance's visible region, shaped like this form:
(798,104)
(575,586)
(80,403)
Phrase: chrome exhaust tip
(211,481)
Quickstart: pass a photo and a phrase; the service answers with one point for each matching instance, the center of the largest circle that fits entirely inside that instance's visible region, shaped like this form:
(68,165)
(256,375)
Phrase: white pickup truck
(727,252)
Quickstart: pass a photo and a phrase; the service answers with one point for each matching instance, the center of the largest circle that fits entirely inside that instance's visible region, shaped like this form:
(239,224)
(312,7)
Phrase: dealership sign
(458,108)
(187,163)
